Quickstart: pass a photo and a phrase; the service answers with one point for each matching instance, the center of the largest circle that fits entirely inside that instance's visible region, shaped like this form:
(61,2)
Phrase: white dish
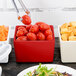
(59,68)
(67,49)
(5,59)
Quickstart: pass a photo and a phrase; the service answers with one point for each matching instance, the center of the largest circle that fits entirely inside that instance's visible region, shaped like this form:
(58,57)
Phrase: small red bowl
(34,51)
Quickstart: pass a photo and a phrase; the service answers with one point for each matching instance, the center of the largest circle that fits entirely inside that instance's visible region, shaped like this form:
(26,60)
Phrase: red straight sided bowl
(34,51)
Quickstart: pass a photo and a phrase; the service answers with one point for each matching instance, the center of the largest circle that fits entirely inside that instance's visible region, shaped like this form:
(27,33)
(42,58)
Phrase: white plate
(5,58)
(59,68)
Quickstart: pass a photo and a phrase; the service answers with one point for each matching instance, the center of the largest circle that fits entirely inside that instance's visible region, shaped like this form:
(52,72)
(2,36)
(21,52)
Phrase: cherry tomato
(49,37)
(39,23)
(23,29)
(28,27)
(22,38)
(34,29)
(31,36)
(20,33)
(26,20)
(40,36)
(44,27)
(48,32)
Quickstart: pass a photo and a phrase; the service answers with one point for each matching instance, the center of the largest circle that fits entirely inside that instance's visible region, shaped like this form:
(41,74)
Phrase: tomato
(34,29)
(28,27)
(40,36)
(31,36)
(44,27)
(26,20)
(20,33)
(49,37)
(39,23)
(22,38)
(48,32)
(23,29)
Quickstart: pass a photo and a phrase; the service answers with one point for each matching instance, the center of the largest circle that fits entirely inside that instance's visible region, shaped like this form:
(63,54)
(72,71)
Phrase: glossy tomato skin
(26,20)
(44,27)
(28,27)
(25,31)
(34,29)
(22,38)
(39,23)
(20,33)
(48,32)
(40,36)
(31,36)
(49,37)
(21,28)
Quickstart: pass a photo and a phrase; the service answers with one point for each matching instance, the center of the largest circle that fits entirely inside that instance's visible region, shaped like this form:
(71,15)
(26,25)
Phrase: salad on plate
(44,71)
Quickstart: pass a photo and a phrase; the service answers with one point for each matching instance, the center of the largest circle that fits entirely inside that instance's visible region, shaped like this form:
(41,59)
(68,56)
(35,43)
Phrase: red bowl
(34,51)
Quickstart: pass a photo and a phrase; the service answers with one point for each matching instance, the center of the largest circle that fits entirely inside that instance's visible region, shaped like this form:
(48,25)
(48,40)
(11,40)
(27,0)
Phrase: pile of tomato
(38,31)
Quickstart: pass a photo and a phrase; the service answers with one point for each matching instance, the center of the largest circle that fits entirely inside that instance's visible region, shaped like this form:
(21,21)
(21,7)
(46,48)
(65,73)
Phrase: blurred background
(53,12)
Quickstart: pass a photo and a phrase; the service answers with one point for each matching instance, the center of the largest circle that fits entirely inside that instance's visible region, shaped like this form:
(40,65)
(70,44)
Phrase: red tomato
(34,29)
(31,36)
(23,29)
(40,36)
(48,32)
(28,27)
(39,23)
(20,33)
(49,37)
(22,38)
(44,27)
(26,20)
